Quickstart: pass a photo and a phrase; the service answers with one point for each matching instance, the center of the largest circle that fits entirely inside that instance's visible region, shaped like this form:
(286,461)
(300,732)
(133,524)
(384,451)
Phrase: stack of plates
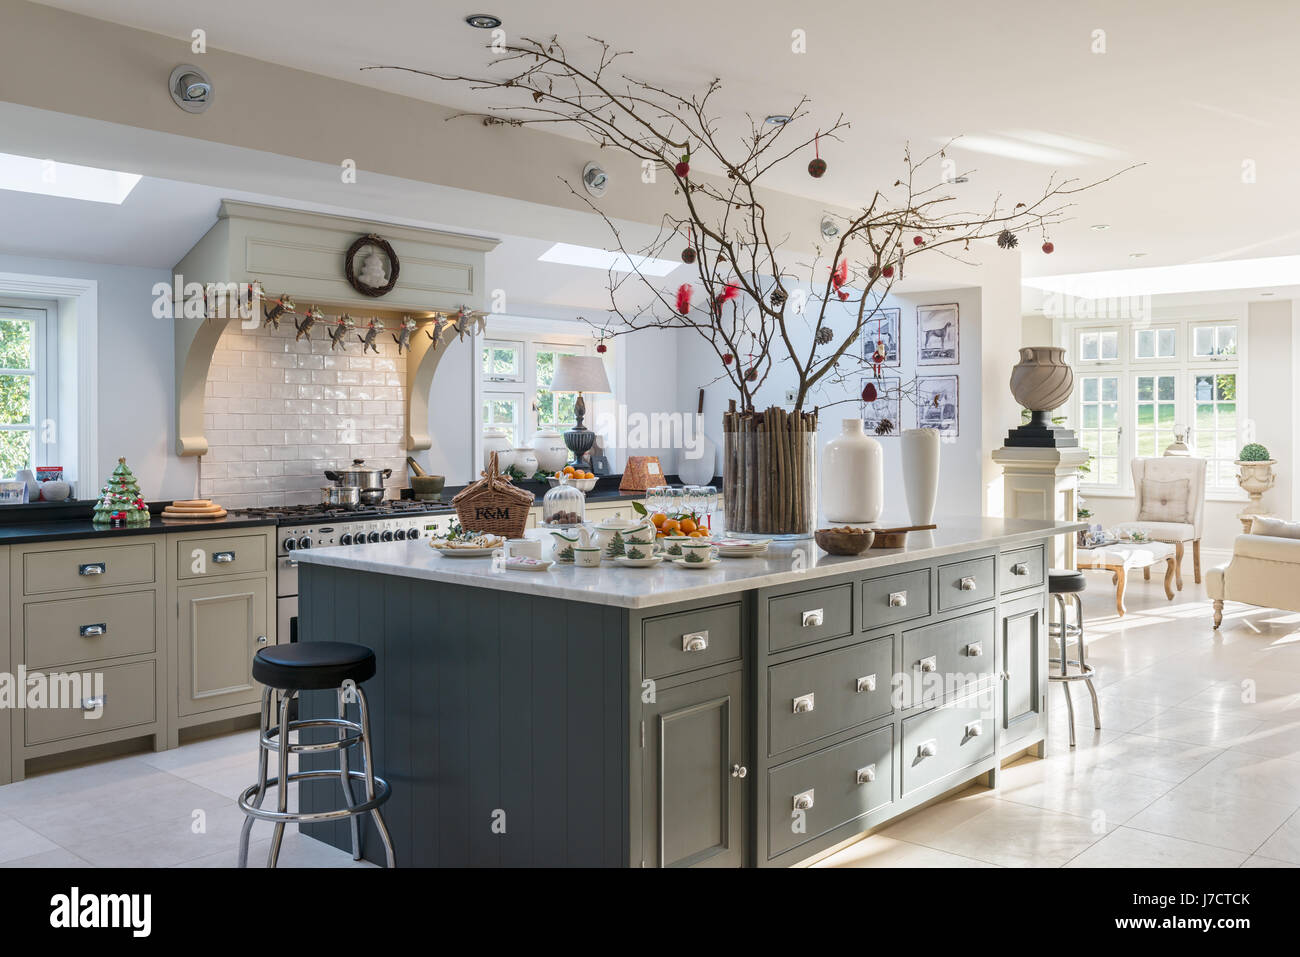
(742,547)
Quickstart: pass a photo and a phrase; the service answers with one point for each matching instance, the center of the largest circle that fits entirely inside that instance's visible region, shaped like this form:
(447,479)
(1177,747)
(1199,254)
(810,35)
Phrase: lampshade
(579,374)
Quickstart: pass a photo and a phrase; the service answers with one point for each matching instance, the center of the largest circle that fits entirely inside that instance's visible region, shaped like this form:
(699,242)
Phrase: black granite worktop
(62,521)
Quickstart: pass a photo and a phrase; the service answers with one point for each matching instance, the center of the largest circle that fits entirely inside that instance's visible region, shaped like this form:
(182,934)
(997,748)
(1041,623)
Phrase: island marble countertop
(663,584)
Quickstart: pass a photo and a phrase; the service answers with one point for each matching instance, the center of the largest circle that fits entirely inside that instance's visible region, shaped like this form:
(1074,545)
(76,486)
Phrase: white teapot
(613,532)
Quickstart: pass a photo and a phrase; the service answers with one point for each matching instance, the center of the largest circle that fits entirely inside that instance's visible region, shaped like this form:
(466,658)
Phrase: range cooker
(317,526)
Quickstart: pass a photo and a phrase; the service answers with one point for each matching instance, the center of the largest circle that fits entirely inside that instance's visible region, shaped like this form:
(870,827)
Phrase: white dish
(639,562)
(466,552)
(527,564)
(582,485)
(741,551)
(693,565)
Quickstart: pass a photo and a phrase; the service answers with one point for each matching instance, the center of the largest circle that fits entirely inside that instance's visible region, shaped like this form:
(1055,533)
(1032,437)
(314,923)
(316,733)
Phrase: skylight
(568,254)
(25,174)
(1190,277)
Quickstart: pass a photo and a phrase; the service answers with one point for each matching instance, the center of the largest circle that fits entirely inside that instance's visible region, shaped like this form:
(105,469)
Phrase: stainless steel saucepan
(359,475)
(340,496)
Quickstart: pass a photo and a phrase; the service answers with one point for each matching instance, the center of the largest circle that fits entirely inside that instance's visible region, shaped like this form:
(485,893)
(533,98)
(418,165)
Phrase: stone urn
(1042,380)
(1255,478)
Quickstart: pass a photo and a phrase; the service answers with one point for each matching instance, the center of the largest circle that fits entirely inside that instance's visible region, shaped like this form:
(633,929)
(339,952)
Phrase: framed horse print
(938,405)
(882,416)
(884,326)
(937,335)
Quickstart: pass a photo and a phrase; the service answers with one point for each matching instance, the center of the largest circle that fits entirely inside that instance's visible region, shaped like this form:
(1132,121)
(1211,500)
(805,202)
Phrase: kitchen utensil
(193,509)
(427,488)
(359,475)
(896,537)
(844,541)
(415,467)
(612,529)
(372,496)
(673,544)
(340,496)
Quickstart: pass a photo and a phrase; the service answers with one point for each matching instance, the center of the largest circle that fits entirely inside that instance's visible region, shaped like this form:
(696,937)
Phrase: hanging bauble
(1048,247)
(918,241)
(688,255)
(873,272)
(727,357)
(601,348)
(887,272)
(824,336)
(1007,239)
(869,393)
(684,166)
(751,374)
(817,167)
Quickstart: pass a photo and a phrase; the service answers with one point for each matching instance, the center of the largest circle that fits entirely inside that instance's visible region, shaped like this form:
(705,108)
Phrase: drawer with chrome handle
(65,632)
(945,658)
(119,696)
(93,631)
(690,640)
(894,598)
(823,694)
(223,558)
(695,641)
(898,599)
(48,570)
(945,740)
(828,789)
(1021,568)
(966,582)
(209,556)
(813,619)
(811,616)
(94,704)
(92,568)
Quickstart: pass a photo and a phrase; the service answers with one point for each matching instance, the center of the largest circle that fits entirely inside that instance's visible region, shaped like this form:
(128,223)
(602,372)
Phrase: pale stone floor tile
(881,851)
(1016,835)
(1117,713)
(240,745)
(939,817)
(1212,816)
(1284,843)
(19,841)
(295,851)
(1128,847)
(1158,758)
(55,858)
(1257,861)
(1159,687)
(1253,776)
(1206,728)
(1110,796)
(1276,739)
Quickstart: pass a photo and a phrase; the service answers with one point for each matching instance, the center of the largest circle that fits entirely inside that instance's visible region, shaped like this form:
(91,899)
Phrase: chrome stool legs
(277,738)
(1062,631)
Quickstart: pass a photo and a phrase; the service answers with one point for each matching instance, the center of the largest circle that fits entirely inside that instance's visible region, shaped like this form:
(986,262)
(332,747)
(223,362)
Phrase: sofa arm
(1267,548)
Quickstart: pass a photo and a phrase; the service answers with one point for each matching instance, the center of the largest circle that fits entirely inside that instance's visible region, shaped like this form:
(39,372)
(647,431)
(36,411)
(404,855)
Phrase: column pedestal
(1043,484)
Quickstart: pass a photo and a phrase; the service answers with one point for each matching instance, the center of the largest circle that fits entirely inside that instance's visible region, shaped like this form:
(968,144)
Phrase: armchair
(1170,494)
(1264,570)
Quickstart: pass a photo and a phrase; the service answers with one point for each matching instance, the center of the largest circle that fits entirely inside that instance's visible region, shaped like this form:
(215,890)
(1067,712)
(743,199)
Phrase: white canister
(498,441)
(853,476)
(551,451)
(526,461)
(920,448)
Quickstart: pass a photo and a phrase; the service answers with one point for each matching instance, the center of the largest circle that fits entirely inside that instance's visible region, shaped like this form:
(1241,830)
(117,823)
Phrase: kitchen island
(751,714)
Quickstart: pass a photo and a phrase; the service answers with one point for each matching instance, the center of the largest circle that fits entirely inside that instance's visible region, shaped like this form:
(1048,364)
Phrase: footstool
(1122,557)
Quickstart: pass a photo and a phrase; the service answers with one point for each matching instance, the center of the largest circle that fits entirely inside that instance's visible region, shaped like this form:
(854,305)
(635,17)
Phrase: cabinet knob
(805,703)
(974,729)
(967,583)
(1020,568)
(695,641)
(898,599)
(866,683)
(739,770)
(813,618)
(93,631)
(261,639)
(94,704)
(975,649)
(223,558)
(930,664)
(94,568)
(866,775)
(803,801)
(928,749)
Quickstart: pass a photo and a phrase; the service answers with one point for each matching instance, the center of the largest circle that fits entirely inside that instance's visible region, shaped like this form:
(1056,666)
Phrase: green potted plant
(1255,475)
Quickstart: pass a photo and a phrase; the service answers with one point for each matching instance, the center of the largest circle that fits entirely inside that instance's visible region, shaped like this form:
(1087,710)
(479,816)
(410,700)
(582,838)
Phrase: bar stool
(313,666)
(1060,583)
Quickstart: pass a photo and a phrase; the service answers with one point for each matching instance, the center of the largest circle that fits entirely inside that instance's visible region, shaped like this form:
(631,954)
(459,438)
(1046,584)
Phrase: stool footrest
(382,791)
(271,738)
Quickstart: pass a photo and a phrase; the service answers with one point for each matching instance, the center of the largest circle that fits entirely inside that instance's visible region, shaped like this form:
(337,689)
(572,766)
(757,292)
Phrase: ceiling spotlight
(960,179)
(190,88)
(777,119)
(594,179)
(483,21)
(1268,294)
(829,229)
(1136,255)
(1100,226)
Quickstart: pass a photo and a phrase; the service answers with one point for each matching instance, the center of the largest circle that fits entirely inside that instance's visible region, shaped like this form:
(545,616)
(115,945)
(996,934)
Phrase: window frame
(44,372)
(1157,328)
(1215,324)
(1120,390)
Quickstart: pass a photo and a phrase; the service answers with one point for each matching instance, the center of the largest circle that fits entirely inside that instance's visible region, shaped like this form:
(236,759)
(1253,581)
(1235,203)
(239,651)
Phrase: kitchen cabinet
(1022,648)
(692,783)
(219,627)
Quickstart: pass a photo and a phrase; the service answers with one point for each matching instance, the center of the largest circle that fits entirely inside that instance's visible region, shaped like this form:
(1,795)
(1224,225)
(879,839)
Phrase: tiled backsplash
(279,412)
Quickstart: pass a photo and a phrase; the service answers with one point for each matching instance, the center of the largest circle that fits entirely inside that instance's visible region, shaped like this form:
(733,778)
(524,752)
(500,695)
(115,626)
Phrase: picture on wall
(937,335)
(937,404)
(881,417)
(885,326)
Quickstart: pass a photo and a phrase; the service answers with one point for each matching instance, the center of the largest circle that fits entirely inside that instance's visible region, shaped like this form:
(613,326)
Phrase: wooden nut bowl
(844,541)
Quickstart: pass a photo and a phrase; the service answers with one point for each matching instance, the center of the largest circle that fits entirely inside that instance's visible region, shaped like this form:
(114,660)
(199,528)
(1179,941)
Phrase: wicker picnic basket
(494,504)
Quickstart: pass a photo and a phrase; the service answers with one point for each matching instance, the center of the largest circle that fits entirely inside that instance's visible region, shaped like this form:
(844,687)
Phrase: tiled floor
(1197,763)
(1189,770)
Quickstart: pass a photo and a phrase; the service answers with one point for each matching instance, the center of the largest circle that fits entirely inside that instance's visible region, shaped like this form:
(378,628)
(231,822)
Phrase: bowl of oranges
(583,481)
(683,526)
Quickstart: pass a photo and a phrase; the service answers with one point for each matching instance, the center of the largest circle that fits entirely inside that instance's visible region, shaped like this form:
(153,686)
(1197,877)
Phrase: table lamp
(579,374)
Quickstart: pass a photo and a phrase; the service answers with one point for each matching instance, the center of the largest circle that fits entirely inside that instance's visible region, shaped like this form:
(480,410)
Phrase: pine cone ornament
(824,336)
(1007,239)
(884,427)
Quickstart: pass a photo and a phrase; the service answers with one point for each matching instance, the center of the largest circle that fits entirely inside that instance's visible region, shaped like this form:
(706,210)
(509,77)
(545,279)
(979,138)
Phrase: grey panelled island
(752,714)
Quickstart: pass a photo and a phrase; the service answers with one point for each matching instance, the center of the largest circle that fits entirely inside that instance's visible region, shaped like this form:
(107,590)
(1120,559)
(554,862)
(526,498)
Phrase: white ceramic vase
(698,470)
(853,476)
(498,441)
(526,460)
(551,451)
(920,448)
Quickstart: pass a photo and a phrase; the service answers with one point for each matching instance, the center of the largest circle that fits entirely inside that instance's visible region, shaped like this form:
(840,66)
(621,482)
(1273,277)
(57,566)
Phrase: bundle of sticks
(769,484)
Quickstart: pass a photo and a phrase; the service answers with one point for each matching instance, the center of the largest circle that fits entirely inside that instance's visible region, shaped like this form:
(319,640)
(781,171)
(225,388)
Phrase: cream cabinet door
(221,625)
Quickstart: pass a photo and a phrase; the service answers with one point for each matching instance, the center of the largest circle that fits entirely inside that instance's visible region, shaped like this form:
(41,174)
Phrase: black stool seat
(1062,581)
(313,665)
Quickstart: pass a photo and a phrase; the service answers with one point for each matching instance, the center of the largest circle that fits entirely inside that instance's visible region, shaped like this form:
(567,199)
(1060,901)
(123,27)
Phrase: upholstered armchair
(1170,493)
(1264,570)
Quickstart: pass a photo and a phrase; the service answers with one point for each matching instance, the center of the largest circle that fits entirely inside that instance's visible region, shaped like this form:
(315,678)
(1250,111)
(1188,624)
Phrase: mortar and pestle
(425,487)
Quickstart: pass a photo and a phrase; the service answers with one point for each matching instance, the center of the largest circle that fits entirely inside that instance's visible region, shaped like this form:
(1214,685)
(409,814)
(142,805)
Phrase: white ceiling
(1191,89)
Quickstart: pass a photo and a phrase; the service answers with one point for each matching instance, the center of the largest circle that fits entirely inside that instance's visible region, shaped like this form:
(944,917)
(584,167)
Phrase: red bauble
(869,393)
(601,348)
(682,168)
(887,272)
(688,255)
(726,358)
(816,167)
(1048,247)
(918,241)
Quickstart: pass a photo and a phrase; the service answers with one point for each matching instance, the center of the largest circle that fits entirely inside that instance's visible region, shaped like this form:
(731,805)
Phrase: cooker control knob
(399,535)
(360,539)
(372,537)
(304,542)
(345,538)
(290,544)
(387,536)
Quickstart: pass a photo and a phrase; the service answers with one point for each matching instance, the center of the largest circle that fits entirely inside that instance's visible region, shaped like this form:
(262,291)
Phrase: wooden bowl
(833,541)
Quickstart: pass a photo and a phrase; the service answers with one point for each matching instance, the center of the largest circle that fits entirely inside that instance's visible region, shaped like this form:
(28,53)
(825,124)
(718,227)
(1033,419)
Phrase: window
(1156,412)
(553,411)
(1154,343)
(504,411)
(1216,425)
(502,361)
(1099,345)
(1214,342)
(28,390)
(1100,432)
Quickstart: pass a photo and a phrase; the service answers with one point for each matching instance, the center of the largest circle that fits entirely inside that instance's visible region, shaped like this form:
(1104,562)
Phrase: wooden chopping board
(192,509)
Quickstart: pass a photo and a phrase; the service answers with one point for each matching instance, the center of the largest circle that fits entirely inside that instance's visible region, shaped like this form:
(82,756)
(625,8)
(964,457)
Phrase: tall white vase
(921,473)
(853,476)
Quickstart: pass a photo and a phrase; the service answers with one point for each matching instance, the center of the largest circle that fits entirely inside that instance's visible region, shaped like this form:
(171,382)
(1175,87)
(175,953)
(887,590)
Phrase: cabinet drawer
(946,740)
(129,695)
(965,583)
(89,629)
(944,658)
(673,644)
(810,616)
(895,598)
(46,572)
(209,557)
(831,787)
(1022,568)
(822,694)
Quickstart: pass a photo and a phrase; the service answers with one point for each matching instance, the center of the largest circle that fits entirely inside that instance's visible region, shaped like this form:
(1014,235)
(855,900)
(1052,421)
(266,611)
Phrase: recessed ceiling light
(1268,294)
(1100,226)
(568,254)
(483,21)
(1136,255)
(24,174)
(777,119)
(960,179)
(829,228)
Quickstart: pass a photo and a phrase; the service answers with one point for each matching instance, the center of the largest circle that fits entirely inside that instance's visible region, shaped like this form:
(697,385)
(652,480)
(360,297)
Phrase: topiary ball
(1254,452)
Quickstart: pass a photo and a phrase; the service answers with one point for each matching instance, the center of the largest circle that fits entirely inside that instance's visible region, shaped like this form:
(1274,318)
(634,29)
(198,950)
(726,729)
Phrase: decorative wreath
(393,265)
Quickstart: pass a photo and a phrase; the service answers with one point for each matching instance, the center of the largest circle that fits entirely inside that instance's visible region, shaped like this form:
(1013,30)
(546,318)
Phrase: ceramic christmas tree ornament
(121,496)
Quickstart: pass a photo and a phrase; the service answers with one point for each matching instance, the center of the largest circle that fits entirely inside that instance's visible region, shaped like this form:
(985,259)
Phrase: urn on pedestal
(1041,381)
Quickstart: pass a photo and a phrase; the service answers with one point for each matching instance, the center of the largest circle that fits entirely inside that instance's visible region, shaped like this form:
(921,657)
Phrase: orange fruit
(589,475)
(671,525)
(688,525)
(569,470)
(698,534)
(659,518)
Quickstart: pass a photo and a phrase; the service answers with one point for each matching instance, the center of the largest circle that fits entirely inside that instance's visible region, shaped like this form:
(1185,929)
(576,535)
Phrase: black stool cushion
(1064,581)
(312,665)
